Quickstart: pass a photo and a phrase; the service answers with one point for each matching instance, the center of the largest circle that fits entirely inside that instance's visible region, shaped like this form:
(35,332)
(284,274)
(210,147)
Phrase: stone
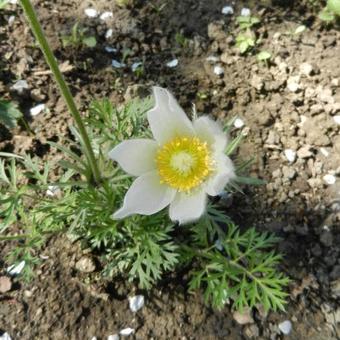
(290,155)
(227,10)
(315,182)
(127,331)
(86,265)
(329,179)
(257,82)
(288,172)
(215,30)
(20,86)
(218,70)
(305,152)
(306,69)
(5,284)
(243,318)
(285,327)
(113,337)
(136,303)
(252,332)
(37,96)
(326,238)
(135,91)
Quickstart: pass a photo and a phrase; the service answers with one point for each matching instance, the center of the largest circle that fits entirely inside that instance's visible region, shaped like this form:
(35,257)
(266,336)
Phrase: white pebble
(117,64)
(135,66)
(113,337)
(127,331)
(293,87)
(52,190)
(212,59)
(238,123)
(91,12)
(136,303)
(16,269)
(106,15)
(20,86)
(110,49)
(218,70)
(285,327)
(13,2)
(324,151)
(337,119)
(11,20)
(34,111)
(5,336)
(108,33)
(290,155)
(172,63)
(245,12)
(227,10)
(329,179)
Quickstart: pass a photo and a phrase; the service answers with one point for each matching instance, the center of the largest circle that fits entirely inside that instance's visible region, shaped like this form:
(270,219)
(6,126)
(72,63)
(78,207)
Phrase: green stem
(50,59)
(13,237)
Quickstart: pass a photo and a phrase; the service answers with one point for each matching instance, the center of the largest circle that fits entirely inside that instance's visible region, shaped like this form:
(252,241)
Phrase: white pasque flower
(182,165)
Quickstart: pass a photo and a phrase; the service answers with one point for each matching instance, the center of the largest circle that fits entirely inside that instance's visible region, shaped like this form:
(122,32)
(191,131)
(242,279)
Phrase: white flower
(182,165)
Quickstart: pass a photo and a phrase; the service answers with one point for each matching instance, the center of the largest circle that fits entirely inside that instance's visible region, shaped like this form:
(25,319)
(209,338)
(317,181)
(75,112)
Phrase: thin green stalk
(51,60)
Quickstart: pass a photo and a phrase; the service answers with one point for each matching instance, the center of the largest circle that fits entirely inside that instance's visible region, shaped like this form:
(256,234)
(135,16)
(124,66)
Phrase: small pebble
(337,119)
(91,12)
(243,318)
(109,49)
(117,64)
(86,265)
(5,336)
(238,123)
(245,12)
(127,331)
(34,111)
(136,303)
(52,190)
(324,151)
(218,70)
(11,20)
(173,63)
(16,269)
(329,179)
(306,69)
(212,59)
(5,284)
(135,66)
(106,15)
(113,337)
(20,86)
(290,155)
(285,327)
(227,10)
(109,33)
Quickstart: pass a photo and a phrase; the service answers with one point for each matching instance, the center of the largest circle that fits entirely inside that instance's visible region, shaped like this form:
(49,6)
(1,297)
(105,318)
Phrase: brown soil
(296,204)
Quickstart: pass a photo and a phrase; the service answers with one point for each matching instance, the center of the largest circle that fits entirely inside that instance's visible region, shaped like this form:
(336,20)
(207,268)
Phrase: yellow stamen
(184,163)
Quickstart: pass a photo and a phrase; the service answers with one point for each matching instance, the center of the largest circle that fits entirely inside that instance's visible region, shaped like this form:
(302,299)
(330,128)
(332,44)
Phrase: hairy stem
(50,59)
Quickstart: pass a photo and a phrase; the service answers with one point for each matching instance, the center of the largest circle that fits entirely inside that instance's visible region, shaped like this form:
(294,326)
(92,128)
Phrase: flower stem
(52,62)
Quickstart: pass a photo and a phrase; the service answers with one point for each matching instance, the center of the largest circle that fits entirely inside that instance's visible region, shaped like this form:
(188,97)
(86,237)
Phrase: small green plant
(245,41)
(246,22)
(9,114)
(264,56)
(331,12)
(78,38)
(124,3)
(181,40)
(3,4)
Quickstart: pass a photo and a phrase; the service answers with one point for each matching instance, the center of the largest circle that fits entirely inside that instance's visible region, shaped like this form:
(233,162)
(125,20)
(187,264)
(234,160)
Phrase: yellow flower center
(184,162)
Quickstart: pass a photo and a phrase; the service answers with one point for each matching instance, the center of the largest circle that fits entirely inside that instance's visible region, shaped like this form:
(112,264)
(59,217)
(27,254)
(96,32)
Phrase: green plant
(224,262)
(181,40)
(3,4)
(245,41)
(78,38)
(246,22)
(9,113)
(264,56)
(331,12)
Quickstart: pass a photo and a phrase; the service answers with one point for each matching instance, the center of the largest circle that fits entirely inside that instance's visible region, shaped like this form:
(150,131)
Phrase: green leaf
(9,114)
(249,180)
(3,3)
(263,55)
(90,41)
(326,15)
(334,6)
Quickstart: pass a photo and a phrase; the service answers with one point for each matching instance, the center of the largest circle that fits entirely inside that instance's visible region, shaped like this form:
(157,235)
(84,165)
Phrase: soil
(288,104)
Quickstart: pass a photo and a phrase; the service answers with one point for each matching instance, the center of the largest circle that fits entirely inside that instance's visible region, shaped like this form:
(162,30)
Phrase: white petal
(135,156)
(188,207)
(224,173)
(211,132)
(167,119)
(146,196)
